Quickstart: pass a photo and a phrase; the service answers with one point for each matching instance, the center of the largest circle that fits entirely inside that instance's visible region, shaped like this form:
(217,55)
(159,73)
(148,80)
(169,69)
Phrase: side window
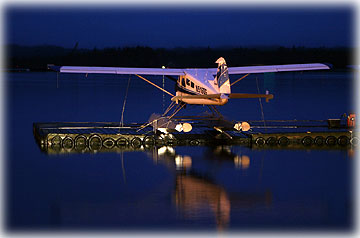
(187,81)
(183,82)
(192,84)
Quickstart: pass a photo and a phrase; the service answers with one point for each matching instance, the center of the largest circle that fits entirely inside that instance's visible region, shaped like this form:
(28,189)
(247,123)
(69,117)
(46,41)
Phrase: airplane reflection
(224,153)
(197,197)
(168,156)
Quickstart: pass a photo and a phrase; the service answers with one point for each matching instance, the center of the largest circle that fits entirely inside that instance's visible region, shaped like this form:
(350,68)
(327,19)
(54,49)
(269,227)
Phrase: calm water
(223,188)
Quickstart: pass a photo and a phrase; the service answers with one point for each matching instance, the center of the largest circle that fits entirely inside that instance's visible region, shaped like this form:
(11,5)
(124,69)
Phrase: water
(223,188)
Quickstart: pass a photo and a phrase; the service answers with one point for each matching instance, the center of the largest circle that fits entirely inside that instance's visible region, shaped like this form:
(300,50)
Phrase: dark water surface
(216,188)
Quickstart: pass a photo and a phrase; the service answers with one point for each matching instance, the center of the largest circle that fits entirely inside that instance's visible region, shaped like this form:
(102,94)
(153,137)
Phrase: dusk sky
(170,27)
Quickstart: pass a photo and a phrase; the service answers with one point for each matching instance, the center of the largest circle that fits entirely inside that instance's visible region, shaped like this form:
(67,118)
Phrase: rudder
(222,76)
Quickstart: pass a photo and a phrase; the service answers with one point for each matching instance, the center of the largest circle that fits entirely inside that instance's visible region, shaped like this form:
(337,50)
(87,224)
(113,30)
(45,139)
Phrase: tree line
(36,58)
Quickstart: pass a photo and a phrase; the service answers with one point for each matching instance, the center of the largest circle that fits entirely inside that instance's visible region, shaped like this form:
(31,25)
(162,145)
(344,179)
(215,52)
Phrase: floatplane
(197,86)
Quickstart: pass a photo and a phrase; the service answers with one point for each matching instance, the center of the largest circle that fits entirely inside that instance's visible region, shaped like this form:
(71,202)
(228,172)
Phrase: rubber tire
(260,141)
(343,140)
(149,141)
(283,141)
(99,144)
(330,140)
(355,141)
(122,141)
(194,142)
(111,140)
(136,142)
(307,141)
(271,141)
(65,143)
(319,141)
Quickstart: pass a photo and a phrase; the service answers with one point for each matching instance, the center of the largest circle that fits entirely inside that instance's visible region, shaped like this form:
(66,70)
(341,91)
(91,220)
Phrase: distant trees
(37,57)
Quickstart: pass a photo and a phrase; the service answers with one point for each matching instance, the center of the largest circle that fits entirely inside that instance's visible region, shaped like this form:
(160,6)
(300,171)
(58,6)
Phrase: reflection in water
(197,199)
(182,162)
(224,152)
(242,162)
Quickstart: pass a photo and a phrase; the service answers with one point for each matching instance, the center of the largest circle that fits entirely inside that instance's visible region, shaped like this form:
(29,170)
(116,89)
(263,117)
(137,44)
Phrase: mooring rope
(123,166)
(163,87)
(261,107)
(125,98)
(57,80)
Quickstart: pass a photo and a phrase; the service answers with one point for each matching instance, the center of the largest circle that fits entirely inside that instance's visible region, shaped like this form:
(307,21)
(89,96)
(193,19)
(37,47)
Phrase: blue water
(224,188)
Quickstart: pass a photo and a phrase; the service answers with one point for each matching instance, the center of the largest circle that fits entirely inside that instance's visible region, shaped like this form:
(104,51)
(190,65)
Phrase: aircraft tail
(222,76)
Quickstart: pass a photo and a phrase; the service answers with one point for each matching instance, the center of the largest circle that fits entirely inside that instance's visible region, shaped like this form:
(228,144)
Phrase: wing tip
(330,66)
(53,67)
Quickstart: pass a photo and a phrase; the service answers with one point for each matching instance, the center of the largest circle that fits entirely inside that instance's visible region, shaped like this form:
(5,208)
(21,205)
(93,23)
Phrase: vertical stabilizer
(222,76)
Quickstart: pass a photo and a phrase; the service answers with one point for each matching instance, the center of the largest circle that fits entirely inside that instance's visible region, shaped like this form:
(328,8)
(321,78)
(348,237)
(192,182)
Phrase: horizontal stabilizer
(210,96)
(231,95)
(249,95)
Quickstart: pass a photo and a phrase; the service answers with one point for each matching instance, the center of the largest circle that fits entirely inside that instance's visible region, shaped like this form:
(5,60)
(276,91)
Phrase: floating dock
(80,137)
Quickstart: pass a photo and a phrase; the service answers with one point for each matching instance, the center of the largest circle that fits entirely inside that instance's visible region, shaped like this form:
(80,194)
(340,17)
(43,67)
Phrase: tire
(284,141)
(68,143)
(354,141)
(271,141)
(260,141)
(95,142)
(307,141)
(194,142)
(56,140)
(109,143)
(343,140)
(149,141)
(136,142)
(122,141)
(80,142)
(330,140)
(319,141)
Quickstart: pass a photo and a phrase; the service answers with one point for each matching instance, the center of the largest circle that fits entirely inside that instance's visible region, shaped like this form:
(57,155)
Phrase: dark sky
(184,26)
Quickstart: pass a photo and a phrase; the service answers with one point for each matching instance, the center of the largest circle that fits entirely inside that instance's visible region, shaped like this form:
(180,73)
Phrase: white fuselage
(196,82)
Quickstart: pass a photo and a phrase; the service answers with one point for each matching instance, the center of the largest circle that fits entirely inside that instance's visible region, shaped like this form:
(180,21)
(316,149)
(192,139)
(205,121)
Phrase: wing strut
(239,79)
(154,85)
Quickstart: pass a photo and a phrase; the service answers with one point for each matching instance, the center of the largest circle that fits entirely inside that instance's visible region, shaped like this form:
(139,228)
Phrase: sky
(185,26)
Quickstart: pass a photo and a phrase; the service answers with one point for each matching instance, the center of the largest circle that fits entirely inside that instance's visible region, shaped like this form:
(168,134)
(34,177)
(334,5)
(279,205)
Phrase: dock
(93,137)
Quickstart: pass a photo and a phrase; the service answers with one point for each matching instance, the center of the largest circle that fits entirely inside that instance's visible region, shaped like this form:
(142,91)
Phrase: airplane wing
(166,71)
(116,70)
(276,68)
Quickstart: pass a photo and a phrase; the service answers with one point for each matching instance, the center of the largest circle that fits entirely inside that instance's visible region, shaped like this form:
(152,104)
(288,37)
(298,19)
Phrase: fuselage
(198,83)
